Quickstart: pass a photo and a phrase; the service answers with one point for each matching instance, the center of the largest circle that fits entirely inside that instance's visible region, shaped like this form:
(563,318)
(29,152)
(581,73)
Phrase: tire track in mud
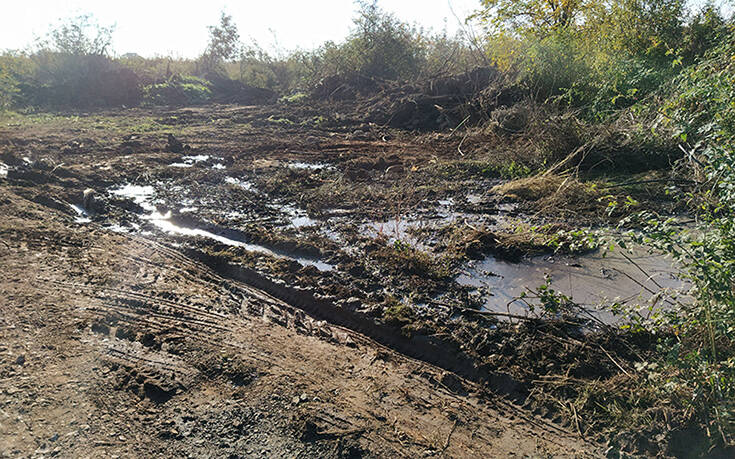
(145,311)
(424,348)
(135,336)
(133,296)
(285,311)
(423,354)
(197,271)
(159,374)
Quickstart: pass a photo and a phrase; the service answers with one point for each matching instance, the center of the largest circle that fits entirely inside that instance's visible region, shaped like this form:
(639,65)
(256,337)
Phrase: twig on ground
(449,437)
(648,276)
(613,361)
(576,419)
(643,182)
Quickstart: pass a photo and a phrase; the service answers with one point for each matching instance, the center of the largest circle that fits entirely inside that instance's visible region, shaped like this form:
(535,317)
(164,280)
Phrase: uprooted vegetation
(367,181)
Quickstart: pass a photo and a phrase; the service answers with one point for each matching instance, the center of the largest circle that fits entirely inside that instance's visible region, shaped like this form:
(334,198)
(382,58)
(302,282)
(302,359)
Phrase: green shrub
(380,46)
(71,68)
(551,64)
(179,90)
(700,107)
(612,56)
(9,73)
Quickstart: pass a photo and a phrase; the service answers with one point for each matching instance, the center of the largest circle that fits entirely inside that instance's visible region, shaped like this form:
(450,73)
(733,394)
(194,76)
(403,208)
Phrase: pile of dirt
(348,87)
(228,91)
(434,104)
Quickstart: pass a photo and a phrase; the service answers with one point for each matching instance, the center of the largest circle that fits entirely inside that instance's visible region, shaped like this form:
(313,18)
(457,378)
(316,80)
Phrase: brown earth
(146,344)
(117,345)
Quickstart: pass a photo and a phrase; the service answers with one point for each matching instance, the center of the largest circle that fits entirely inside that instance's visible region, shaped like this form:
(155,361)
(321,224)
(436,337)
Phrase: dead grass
(553,194)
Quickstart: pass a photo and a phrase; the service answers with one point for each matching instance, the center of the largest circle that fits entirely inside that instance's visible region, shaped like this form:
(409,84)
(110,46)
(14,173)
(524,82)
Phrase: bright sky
(150,27)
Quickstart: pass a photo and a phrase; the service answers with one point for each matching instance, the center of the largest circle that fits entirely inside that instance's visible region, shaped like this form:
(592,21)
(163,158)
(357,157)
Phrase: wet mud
(344,231)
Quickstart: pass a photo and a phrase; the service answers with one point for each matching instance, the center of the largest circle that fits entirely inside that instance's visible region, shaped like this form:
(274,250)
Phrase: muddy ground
(276,281)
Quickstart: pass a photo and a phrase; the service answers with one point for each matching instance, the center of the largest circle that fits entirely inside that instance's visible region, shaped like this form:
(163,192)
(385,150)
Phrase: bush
(11,69)
(700,109)
(179,90)
(646,43)
(66,80)
(156,69)
(71,68)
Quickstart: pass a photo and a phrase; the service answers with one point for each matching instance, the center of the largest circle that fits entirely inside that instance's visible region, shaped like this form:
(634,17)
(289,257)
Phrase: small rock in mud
(21,360)
(173,145)
(88,200)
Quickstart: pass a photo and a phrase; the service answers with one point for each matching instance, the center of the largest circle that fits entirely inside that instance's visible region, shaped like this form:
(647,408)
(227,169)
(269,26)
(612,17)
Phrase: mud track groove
(136,322)
(129,295)
(427,349)
(159,364)
(141,310)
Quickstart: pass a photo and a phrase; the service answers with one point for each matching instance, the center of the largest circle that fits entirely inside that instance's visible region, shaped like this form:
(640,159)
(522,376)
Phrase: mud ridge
(430,349)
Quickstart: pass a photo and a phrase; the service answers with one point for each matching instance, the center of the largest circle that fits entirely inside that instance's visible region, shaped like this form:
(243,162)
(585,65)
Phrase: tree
(80,36)
(380,45)
(72,67)
(521,16)
(224,44)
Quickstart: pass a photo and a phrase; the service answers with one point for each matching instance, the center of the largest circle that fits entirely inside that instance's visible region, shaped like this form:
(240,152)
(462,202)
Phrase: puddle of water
(299,222)
(134,227)
(195,158)
(311,166)
(403,229)
(82,214)
(164,223)
(395,229)
(219,166)
(189,161)
(4,170)
(507,207)
(244,184)
(140,194)
(590,279)
(298,217)
(318,264)
(474,198)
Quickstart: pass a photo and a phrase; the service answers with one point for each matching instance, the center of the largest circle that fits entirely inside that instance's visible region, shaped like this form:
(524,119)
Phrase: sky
(179,28)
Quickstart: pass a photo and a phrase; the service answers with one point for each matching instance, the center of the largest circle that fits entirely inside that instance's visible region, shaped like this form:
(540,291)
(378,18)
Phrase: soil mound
(228,91)
(433,104)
